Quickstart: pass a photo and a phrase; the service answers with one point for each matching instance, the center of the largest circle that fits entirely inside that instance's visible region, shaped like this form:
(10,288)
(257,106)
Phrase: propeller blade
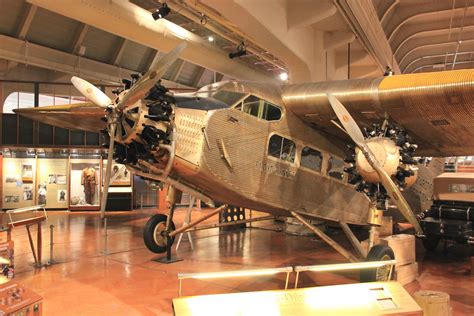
(346,120)
(392,190)
(108,169)
(91,92)
(151,77)
(355,133)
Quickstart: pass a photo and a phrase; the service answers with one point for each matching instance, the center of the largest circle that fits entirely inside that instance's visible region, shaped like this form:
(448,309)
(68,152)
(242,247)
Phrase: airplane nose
(144,129)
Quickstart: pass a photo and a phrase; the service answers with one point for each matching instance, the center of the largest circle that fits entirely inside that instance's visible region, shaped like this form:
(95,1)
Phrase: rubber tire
(376,253)
(430,242)
(149,230)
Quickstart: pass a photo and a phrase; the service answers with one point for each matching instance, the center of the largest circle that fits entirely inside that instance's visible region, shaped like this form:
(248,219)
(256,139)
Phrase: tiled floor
(128,282)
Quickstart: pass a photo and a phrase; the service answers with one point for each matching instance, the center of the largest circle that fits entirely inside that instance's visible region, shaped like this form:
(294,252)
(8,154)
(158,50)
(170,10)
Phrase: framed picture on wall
(27,173)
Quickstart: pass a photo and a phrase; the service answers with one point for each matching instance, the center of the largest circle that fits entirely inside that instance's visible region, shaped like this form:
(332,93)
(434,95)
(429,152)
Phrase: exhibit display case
(84,184)
(120,195)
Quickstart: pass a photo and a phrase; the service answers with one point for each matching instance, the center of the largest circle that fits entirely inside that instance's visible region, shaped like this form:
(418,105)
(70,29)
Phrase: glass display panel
(85,179)
(119,176)
(311,158)
(336,168)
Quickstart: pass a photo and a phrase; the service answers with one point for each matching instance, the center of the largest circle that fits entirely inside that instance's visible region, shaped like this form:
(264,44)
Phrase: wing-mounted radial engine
(392,147)
(382,155)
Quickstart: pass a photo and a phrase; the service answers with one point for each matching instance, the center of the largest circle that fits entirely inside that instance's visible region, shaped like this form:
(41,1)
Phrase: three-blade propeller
(135,93)
(356,135)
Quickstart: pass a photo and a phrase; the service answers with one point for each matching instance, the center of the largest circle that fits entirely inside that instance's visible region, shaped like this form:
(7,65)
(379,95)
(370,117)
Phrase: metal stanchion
(51,245)
(105,251)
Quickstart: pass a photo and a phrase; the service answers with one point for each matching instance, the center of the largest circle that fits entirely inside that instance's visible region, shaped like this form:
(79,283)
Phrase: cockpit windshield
(229,97)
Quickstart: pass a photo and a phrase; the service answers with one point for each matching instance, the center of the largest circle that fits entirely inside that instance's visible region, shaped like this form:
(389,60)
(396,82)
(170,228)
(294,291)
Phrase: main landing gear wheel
(378,253)
(154,234)
(430,242)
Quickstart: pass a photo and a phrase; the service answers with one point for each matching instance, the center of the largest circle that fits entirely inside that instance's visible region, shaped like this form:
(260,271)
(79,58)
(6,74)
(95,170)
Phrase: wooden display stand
(403,246)
(379,298)
(433,303)
(29,220)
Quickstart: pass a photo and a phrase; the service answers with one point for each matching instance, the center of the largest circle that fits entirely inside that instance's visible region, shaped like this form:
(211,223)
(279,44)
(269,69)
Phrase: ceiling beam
(80,35)
(178,66)
(129,21)
(362,18)
(119,51)
(26,20)
(431,47)
(428,32)
(197,76)
(44,57)
(436,13)
(442,57)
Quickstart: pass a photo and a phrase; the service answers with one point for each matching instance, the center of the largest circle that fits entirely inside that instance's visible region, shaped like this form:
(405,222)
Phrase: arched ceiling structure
(429,35)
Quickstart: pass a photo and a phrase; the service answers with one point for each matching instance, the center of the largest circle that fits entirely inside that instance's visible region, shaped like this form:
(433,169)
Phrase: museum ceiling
(312,40)
(429,35)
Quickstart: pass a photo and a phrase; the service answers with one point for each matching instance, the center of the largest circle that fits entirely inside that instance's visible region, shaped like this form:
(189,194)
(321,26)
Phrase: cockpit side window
(282,148)
(260,108)
(229,97)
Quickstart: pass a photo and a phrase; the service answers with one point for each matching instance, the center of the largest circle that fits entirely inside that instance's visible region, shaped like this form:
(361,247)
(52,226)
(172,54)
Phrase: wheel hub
(383,273)
(159,234)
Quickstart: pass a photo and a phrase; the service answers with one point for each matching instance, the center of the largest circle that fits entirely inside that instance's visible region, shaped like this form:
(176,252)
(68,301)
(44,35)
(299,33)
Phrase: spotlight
(241,51)
(284,76)
(161,12)
(210,38)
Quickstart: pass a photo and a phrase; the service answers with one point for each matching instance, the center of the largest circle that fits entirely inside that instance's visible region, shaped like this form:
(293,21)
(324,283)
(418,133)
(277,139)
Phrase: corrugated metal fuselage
(223,153)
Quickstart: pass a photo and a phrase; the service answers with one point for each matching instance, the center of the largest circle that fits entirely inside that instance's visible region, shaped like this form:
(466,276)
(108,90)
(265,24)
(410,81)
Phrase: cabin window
(282,148)
(336,168)
(261,108)
(311,158)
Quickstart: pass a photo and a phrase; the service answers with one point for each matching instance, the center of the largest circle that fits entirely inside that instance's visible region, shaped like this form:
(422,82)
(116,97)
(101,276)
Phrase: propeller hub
(387,154)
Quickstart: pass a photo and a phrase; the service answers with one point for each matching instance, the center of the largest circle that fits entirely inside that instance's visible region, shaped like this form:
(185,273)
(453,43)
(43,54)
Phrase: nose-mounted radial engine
(144,129)
(139,121)
(392,147)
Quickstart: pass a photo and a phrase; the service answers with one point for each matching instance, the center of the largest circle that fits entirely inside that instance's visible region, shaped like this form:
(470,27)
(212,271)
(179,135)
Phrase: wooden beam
(177,70)
(198,76)
(25,23)
(119,52)
(80,35)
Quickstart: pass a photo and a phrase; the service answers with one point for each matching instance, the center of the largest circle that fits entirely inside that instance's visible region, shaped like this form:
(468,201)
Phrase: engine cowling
(386,152)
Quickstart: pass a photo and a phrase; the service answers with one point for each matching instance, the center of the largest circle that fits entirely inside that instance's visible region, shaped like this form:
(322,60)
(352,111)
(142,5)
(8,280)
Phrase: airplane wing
(437,108)
(78,116)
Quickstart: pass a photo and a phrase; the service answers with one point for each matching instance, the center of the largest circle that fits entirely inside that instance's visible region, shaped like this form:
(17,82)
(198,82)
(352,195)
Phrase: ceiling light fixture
(210,38)
(161,12)
(284,76)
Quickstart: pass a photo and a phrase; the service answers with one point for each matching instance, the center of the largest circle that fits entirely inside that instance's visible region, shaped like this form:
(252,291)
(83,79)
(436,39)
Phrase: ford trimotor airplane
(290,149)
